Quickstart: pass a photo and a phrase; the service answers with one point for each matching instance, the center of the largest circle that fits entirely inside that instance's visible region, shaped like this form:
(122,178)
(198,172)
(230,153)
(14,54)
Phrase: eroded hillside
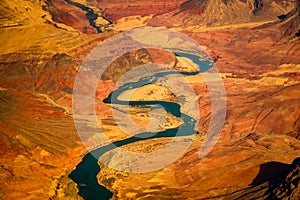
(43,44)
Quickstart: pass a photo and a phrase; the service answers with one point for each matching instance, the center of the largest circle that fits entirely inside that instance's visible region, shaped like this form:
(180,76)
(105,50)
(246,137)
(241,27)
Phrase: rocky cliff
(281,183)
(116,9)
(290,23)
(222,12)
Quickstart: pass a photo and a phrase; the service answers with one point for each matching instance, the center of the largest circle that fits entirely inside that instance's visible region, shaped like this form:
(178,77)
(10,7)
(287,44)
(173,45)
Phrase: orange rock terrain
(43,44)
(221,12)
(117,9)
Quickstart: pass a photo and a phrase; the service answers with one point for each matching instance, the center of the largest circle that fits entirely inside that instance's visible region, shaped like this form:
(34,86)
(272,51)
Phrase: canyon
(43,45)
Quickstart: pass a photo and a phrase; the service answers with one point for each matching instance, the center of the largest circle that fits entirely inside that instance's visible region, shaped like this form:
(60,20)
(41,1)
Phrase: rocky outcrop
(116,9)
(38,144)
(133,59)
(221,12)
(291,23)
(70,15)
(17,13)
(66,15)
(77,15)
(275,181)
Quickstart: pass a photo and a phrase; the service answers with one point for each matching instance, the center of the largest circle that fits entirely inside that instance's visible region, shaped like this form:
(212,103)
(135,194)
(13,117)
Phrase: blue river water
(85,174)
(90,14)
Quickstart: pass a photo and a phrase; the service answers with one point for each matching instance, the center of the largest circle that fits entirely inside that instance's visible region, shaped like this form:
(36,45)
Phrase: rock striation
(116,9)
(257,155)
(222,12)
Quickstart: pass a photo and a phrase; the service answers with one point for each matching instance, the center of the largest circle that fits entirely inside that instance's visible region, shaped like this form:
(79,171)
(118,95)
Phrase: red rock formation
(291,22)
(117,9)
(70,15)
(39,144)
(220,12)
(282,183)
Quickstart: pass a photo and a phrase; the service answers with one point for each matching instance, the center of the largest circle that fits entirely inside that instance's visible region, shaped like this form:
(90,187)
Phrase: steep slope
(77,15)
(287,27)
(67,15)
(17,13)
(221,12)
(27,28)
(116,9)
(285,185)
(39,142)
(291,22)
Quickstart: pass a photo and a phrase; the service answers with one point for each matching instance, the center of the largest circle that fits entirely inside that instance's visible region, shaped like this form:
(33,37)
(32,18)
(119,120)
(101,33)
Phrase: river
(90,14)
(85,174)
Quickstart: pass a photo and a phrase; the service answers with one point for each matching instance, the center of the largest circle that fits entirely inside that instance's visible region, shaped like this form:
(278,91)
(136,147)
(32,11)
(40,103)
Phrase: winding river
(90,14)
(85,174)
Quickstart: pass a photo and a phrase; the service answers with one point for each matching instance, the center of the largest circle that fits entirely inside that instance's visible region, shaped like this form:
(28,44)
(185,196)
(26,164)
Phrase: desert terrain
(254,45)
